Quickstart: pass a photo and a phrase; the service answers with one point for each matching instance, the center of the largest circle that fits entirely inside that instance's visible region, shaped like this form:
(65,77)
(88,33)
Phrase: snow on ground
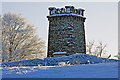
(78,58)
(100,70)
(76,66)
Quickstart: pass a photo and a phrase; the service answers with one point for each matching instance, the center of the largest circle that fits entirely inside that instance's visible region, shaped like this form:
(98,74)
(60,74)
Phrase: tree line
(98,50)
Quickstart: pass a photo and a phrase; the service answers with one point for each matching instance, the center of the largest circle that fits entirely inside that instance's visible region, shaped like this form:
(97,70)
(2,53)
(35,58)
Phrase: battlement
(68,10)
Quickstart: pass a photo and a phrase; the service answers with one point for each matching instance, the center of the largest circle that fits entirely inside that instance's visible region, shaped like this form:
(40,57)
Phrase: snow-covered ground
(77,58)
(100,70)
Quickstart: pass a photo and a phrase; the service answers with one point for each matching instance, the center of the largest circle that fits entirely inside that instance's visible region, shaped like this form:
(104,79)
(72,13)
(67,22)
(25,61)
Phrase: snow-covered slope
(78,58)
(30,62)
(101,70)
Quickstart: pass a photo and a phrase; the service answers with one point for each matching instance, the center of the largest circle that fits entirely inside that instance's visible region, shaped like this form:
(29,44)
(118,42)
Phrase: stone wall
(66,32)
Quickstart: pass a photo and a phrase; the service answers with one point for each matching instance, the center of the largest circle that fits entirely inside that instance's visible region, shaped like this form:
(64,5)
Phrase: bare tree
(90,47)
(100,49)
(97,50)
(19,40)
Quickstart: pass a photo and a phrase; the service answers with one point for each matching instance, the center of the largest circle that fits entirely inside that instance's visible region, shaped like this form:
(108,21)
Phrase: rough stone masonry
(66,30)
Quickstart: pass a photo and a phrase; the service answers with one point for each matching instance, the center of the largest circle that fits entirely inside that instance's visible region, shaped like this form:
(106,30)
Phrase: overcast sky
(101,19)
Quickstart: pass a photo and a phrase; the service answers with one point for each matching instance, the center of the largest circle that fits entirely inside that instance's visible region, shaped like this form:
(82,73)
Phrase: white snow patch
(60,53)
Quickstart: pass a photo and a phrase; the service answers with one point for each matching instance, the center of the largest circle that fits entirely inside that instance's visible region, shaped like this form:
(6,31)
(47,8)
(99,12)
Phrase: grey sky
(101,19)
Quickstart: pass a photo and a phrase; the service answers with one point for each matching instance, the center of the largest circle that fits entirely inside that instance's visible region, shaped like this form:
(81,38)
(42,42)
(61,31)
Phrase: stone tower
(66,30)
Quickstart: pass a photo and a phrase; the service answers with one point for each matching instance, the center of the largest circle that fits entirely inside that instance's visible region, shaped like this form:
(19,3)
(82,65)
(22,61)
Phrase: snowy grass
(101,70)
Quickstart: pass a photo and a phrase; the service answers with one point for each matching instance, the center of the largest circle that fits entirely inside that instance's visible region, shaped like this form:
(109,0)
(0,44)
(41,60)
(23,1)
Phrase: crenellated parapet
(52,10)
(68,10)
